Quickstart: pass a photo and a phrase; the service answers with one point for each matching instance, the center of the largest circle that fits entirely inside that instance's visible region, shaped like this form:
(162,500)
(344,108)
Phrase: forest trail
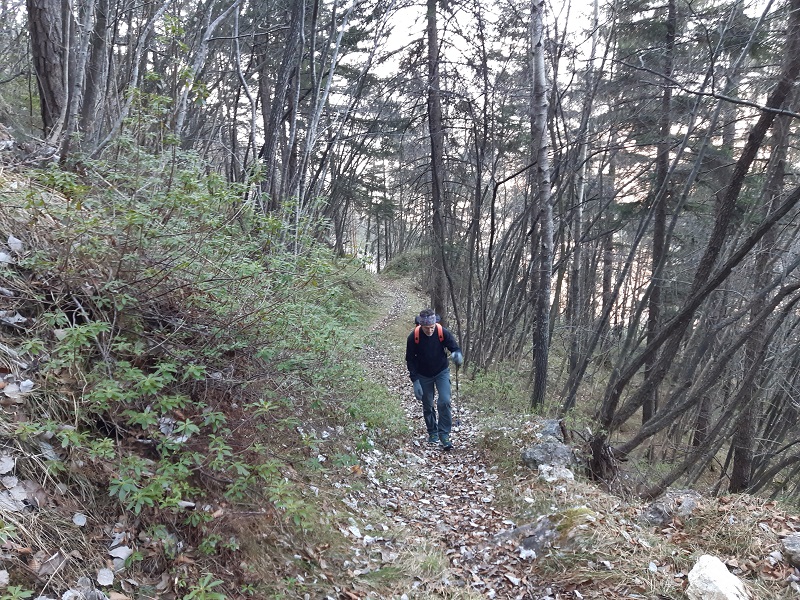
(442,503)
(435,518)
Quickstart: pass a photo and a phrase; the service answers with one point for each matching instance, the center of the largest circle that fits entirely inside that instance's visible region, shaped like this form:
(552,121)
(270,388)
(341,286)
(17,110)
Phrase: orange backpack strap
(439,331)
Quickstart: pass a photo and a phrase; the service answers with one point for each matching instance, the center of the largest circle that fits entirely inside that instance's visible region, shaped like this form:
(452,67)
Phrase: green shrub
(407,264)
(497,393)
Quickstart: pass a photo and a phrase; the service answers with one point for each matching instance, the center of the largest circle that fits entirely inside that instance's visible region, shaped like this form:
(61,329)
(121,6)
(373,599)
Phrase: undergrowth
(187,352)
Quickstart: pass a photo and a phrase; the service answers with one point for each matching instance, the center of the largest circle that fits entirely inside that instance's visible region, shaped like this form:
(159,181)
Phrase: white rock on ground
(710,579)
(791,548)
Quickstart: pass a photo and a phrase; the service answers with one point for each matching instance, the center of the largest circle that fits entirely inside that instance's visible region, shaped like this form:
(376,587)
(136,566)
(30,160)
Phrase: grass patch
(407,264)
(500,448)
(499,396)
(373,406)
(428,561)
(384,576)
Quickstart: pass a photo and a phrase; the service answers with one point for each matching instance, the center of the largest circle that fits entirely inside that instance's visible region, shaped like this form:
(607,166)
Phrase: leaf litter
(439,503)
(446,519)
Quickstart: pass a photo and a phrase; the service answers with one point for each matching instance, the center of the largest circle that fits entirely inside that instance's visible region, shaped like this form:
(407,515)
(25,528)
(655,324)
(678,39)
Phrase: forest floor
(439,508)
(433,524)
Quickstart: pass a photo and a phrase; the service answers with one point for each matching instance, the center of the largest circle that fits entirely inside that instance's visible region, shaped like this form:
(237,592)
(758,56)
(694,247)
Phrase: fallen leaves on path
(434,524)
(443,502)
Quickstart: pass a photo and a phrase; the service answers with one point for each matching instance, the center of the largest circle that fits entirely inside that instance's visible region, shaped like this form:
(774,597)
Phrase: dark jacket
(428,357)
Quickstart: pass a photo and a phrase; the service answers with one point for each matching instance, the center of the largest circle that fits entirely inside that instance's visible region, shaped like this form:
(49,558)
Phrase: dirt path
(426,522)
(442,502)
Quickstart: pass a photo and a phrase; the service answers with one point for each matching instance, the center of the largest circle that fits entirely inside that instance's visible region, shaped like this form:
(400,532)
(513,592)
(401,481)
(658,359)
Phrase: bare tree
(275,116)
(436,132)
(540,140)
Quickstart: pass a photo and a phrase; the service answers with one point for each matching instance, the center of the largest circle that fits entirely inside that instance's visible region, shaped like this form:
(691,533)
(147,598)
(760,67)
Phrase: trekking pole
(455,401)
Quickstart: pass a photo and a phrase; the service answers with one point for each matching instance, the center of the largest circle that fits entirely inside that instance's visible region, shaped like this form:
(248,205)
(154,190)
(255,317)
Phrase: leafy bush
(407,264)
(180,335)
(499,394)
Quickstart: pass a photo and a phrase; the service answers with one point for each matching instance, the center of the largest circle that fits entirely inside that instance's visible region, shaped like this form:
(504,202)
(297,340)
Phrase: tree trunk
(660,196)
(436,130)
(576,314)
(79,59)
(136,66)
(201,53)
(539,138)
(92,115)
(272,132)
(50,24)
(744,439)
(705,278)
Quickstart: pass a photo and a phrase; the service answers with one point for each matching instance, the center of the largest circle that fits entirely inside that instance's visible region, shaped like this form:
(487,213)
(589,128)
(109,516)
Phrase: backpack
(439,330)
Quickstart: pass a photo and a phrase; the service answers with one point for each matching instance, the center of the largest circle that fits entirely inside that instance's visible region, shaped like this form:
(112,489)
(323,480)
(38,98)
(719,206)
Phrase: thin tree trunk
(289,61)
(660,184)
(436,130)
(92,114)
(133,81)
(198,63)
(703,453)
(251,145)
(705,279)
(576,317)
(539,138)
(744,439)
(79,59)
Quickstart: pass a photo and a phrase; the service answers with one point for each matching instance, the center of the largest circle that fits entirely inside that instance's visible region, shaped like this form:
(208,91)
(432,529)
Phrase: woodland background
(600,200)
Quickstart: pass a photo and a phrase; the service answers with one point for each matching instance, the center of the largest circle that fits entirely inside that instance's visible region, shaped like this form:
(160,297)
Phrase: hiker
(428,368)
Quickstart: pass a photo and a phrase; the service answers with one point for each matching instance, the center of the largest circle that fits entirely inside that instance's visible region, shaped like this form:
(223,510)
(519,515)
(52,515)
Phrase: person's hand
(458,358)
(417,390)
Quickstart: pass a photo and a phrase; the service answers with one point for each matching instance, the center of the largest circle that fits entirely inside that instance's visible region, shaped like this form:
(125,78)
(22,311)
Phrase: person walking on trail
(428,369)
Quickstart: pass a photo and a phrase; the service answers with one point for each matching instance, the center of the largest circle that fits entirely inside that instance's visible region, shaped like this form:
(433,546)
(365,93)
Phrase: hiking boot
(446,443)
(433,438)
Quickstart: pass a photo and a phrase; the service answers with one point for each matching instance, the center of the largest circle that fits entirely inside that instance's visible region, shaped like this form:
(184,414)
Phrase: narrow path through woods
(442,502)
(426,524)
